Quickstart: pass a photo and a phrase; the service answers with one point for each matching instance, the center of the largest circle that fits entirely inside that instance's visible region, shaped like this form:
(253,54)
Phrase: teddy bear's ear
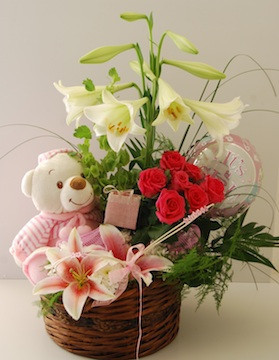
(26,183)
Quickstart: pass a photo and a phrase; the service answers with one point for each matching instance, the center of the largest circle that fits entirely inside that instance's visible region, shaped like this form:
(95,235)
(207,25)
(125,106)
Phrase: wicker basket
(111,332)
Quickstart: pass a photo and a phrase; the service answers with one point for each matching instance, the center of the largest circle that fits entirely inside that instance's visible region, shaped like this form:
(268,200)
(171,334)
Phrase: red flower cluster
(188,188)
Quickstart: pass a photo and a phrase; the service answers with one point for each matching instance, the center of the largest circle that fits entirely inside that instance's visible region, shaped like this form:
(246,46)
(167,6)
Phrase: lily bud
(135,66)
(201,70)
(104,53)
(182,43)
(131,16)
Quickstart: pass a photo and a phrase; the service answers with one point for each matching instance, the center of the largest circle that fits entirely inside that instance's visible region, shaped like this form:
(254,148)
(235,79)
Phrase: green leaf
(132,151)
(267,236)
(139,143)
(141,235)
(114,76)
(250,255)
(83,132)
(104,53)
(234,226)
(156,231)
(94,170)
(182,43)
(109,161)
(88,83)
(136,161)
(103,143)
(198,69)
(131,16)
(83,148)
(136,147)
(206,226)
(123,157)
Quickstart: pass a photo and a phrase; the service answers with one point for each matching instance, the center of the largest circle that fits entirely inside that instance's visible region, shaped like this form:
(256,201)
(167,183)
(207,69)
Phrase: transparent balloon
(239,168)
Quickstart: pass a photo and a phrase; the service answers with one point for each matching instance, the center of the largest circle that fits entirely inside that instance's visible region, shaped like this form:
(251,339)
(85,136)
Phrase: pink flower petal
(153,263)
(114,241)
(74,242)
(54,254)
(99,292)
(88,264)
(147,278)
(49,285)
(74,298)
(117,276)
(65,268)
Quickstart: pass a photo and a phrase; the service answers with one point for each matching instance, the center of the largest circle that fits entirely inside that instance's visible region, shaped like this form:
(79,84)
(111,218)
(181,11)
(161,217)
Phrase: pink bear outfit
(47,229)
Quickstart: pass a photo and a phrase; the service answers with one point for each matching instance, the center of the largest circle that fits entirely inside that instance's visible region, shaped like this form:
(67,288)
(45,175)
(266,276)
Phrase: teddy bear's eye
(59,184)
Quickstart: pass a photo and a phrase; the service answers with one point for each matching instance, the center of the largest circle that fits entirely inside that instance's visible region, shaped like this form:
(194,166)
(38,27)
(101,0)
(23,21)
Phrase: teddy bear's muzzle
(78,183)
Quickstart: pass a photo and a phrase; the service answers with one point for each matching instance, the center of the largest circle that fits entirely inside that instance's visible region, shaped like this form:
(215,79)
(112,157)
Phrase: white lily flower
(172,108)
(77,98)
(115,119)
(219,119)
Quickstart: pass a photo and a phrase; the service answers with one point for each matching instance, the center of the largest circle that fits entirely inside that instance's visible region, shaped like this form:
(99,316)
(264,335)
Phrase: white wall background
(41,42)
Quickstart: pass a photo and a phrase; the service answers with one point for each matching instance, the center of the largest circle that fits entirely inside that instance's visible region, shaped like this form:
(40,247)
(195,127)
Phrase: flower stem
(157,73)
(140,58)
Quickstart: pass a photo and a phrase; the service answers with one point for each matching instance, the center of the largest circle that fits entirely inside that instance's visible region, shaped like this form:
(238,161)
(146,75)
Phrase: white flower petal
(166,94)
(99,130)
(108,98)
(160,118)
(49,285)
(74,242)
(219,119)
(99,113)
(100,292)
(172,108)
(116,142)
(174,124)
(137,104)
(116,117)
(74,114)
(74,298)
(137,130)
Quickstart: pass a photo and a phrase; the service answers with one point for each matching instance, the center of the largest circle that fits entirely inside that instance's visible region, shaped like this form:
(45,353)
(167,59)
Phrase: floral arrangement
(164,210)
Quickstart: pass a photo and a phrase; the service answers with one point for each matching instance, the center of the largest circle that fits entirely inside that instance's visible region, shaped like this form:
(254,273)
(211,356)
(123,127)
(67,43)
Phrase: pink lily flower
(137,263)
(73,275)
(35,265)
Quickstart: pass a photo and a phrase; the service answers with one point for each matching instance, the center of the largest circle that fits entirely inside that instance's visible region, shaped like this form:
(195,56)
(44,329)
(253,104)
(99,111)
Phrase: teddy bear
(64,198)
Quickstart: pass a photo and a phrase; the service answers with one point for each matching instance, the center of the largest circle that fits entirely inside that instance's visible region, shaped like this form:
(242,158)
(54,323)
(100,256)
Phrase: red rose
(152,181)
(172,160)
(179,181)
(170,206)
(196,197)
(194,172)
(214,189)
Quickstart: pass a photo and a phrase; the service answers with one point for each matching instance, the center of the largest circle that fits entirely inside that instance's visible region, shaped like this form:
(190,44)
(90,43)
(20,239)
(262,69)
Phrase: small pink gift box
(122,209)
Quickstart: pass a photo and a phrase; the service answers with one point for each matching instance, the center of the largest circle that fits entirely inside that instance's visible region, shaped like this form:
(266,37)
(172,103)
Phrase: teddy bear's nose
(78,183)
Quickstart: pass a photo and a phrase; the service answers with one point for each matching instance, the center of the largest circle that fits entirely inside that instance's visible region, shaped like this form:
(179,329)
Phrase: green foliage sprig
(209,265)
(108,171)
